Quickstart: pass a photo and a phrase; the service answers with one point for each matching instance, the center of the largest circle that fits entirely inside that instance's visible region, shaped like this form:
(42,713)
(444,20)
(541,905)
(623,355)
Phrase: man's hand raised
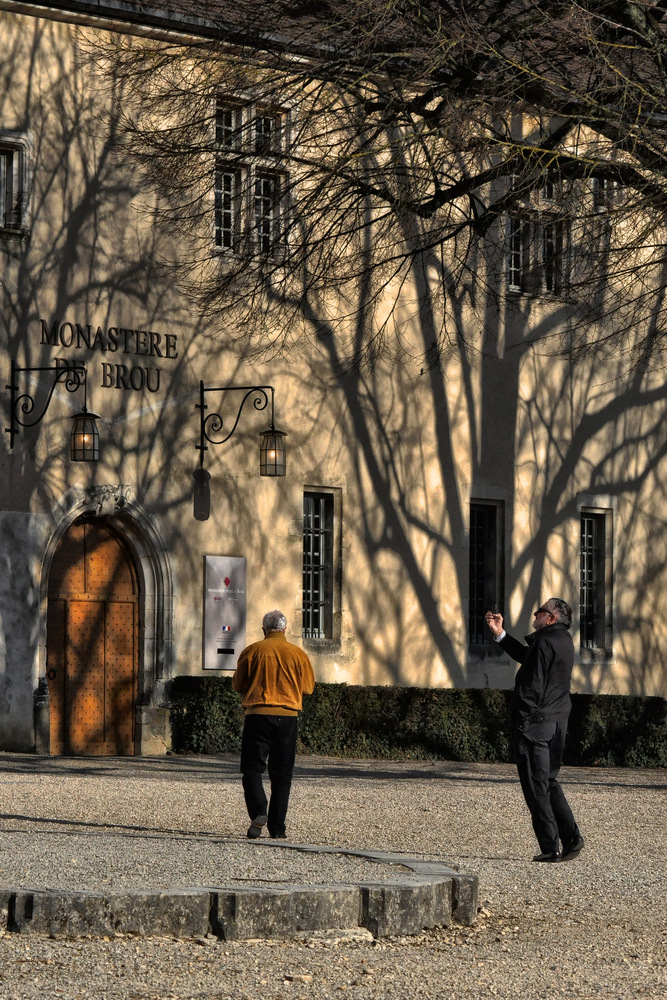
(495,622)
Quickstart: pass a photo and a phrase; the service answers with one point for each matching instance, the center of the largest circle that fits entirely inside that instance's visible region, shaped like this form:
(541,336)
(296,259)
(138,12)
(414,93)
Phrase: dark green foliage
(206,715)
(617,731)
(341,720)
(350,721)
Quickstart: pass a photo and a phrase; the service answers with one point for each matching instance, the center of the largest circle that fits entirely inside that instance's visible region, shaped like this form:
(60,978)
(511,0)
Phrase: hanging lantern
(84,442)
(272,453)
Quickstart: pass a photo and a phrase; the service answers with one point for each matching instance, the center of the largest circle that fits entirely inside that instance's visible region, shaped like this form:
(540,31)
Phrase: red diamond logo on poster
(227,581)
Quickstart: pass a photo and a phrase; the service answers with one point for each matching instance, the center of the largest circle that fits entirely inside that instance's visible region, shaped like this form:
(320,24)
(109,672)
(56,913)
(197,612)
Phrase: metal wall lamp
(272,447)
(212,430)
(84,439)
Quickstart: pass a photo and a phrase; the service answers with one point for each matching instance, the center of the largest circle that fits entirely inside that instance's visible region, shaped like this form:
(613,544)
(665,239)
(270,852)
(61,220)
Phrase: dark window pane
(592,583)
(485,584)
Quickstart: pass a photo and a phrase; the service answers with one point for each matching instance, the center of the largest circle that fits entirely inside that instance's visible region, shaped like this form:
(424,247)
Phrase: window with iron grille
(486,589)
(318,565)
(594,586)
(250,185)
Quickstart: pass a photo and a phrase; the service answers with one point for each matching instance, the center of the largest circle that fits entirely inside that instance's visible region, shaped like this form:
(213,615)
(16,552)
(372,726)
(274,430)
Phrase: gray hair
(561,609)
(274,621)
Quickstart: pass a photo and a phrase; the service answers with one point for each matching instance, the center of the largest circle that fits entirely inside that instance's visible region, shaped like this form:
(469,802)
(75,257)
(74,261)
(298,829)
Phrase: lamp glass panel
(85,438)
(272,453)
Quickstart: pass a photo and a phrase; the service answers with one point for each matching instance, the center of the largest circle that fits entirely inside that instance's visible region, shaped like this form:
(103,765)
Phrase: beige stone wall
(406,448)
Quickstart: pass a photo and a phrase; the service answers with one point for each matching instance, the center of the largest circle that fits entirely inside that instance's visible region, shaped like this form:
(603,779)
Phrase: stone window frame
(250,139)
(15,183)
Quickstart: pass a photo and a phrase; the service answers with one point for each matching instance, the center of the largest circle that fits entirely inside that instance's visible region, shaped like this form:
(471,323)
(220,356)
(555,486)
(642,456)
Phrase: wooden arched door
(92,642)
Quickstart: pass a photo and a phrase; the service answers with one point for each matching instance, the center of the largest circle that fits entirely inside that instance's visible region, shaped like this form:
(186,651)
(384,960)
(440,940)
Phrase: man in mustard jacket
(272,675)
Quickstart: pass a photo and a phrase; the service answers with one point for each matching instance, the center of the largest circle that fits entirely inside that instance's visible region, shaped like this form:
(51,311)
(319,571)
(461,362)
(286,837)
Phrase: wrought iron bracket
(212,428)
(23,410)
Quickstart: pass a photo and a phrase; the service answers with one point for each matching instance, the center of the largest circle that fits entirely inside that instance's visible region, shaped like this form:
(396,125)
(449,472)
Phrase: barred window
(486,583)
(318,565)
(595,581)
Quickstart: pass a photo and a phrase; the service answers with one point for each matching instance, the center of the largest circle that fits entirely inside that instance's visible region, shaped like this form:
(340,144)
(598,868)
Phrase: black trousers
(269,738)
(538,751)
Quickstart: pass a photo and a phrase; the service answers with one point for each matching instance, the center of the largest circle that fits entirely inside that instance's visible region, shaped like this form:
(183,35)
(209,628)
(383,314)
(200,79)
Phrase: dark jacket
(542,683)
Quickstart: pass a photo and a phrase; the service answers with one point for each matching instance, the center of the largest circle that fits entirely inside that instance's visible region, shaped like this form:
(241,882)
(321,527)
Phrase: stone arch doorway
(92,661)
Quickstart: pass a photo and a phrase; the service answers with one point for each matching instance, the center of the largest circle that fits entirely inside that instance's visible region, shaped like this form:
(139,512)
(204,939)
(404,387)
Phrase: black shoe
(549,856)
(572,848)
(255,828)
(277,836)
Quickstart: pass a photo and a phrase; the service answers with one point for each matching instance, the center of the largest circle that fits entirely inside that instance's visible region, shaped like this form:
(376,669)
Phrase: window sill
(322,646)
(598,654)
(242,253)
(483,650)
(18,234)
(517,296)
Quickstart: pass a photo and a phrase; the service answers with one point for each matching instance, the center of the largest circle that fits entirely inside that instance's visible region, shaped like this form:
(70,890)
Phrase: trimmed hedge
(341,720)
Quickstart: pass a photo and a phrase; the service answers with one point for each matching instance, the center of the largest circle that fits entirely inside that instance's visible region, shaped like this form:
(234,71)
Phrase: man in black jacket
(539,712)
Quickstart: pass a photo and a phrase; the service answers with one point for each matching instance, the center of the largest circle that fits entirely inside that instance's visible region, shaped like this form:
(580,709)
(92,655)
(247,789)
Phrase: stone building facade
(413,498)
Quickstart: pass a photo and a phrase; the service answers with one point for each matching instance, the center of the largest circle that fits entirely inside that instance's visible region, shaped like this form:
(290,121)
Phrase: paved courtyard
(594,927)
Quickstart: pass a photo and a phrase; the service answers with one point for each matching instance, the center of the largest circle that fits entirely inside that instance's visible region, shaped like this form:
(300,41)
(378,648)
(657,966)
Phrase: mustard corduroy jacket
(273,674)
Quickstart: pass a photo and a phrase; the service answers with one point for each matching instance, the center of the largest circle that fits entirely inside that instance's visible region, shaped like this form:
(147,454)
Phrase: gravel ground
(593,928)
(48,859)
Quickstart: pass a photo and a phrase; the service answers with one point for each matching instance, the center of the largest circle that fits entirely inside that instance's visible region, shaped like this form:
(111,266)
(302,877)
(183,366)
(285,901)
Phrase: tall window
(267,211)
(250,186)
(318,565)
(595,580)
(517,239)
(486,571)
(228,121)
(13,183)
(268,128)
(553,257)
(227,219)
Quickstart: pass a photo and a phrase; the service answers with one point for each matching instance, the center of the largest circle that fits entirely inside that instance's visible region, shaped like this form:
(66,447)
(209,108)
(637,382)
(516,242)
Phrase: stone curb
(432,896)
(464,887)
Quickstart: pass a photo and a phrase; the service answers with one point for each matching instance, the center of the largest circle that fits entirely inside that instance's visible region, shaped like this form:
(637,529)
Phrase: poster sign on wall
(224,611)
